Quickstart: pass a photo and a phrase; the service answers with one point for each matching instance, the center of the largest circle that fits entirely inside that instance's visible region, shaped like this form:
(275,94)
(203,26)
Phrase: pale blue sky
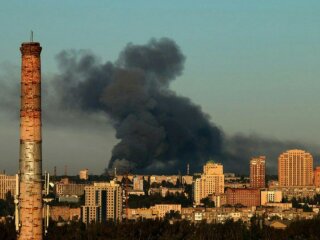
(252,65)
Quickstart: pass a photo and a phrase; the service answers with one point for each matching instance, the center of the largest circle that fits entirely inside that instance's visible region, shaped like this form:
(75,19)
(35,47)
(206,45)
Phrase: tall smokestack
(30,199)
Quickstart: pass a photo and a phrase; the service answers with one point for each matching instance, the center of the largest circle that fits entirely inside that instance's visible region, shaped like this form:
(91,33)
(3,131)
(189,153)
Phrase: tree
(306,208)
(207,202)
(295,203)
(172,215)
(7,205)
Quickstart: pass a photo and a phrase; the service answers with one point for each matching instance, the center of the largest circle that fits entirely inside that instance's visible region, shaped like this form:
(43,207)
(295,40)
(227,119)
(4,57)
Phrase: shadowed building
(317,177)
(103,201)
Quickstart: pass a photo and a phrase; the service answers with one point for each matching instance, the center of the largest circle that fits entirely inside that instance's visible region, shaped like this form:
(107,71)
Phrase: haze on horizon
(252,66)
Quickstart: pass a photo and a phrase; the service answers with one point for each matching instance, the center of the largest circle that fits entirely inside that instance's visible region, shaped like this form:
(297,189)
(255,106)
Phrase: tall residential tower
(258,172)
(295,168)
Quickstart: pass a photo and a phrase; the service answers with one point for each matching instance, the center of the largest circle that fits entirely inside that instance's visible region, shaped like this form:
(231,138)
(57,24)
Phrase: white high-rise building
(210,182)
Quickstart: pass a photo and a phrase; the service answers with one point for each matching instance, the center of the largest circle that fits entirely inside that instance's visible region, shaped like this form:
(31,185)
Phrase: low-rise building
(142,213)
(64,213)
(162,209)
(270,196)
(187,179)
(279,205)
(297,192)
(164,178)
(136,192)
(244,196)
(219,199)
(165,191)
(63,189)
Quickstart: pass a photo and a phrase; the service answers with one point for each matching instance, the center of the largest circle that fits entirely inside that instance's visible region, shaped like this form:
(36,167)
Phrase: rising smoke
(239,149)
(156,128)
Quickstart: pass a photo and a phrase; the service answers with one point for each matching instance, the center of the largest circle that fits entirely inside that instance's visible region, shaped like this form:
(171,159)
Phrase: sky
(251,65)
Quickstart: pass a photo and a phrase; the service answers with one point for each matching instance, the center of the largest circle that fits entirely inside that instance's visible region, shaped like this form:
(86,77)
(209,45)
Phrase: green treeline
(180,230)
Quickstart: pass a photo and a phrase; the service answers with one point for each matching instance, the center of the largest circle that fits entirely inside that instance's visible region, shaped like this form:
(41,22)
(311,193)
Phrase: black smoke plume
(157,130)
(239,149)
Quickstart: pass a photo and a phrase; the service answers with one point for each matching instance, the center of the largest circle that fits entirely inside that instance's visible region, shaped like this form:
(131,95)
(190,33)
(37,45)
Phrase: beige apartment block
(295,168)
(7,184)
(187,179)
(141,213)
(63,189)
(84,174)
(156,211)
(167,178)
(162,209)
(270,197)
(103,201)
(138,183)
(65,213)
(210,182)
(219,199)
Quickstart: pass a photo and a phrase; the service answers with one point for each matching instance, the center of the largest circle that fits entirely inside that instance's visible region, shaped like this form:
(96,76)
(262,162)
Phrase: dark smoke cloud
(157,129)
(239,149)
(9,89)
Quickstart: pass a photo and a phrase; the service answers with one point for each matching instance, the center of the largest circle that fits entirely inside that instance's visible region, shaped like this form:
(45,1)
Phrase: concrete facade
(103,201)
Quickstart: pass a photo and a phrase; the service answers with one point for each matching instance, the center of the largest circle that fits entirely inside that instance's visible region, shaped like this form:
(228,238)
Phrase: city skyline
(254,95)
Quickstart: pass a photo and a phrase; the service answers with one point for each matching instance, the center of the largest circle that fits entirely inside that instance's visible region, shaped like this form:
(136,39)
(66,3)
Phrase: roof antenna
(31,36)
